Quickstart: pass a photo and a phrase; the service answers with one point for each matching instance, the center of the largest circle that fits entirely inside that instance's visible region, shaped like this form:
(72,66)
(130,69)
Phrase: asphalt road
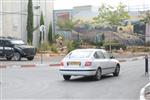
(47,83)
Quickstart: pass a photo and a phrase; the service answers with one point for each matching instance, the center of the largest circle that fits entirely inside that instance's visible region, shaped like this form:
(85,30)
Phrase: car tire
(30,58)
(8,58)
(16,56)
(98,74)
(117,70)
(67,77)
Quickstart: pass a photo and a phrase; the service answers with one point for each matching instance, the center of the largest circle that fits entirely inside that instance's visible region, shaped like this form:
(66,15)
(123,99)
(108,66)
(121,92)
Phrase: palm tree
(67,25)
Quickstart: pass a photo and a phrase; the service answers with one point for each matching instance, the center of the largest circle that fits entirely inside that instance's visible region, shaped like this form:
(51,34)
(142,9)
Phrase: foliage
(71,45)
(103,37)
(146,18)
(41,19)
(67,25)
(147,43)
(50,35)
(101,42)
(44,46)
(111,16)
(76,44)
(54,48)
(30,22)
(139,49)
(56,36)
(116,46)
(41,23)
(146,49)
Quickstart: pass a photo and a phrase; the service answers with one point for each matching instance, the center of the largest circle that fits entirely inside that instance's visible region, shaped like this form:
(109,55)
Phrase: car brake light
(88,63)
(61,63)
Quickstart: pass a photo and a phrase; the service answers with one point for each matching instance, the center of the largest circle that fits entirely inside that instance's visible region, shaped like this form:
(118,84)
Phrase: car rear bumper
(78,72)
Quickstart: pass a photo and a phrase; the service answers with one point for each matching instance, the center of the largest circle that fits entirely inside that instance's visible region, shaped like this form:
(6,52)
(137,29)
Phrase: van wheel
(67,77)
(16,56)
(98,74)
(117,70)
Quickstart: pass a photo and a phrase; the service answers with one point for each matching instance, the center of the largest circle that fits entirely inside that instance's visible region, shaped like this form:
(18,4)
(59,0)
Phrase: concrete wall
(13,18)
(147,34)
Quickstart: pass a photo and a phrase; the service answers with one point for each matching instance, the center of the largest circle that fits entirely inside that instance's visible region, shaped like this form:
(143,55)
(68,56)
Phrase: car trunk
(75,62)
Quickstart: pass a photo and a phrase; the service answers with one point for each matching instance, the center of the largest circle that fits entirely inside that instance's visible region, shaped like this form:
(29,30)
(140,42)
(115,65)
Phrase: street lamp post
(42,30)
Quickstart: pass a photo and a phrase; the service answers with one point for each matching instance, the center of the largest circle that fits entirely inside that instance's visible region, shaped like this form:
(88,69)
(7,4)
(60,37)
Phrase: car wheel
(16,56)
(67,77)
(30,58)
(117,70)
(8,58)
(98,74)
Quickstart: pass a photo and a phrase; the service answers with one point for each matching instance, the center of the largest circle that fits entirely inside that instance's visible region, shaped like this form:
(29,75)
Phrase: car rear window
(79,54)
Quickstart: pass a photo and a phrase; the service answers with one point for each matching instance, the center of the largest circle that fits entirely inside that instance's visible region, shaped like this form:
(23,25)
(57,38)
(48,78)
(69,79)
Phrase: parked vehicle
(89,62)
(15,49)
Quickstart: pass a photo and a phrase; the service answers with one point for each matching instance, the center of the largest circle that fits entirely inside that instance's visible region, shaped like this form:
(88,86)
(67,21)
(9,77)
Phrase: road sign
(42,28)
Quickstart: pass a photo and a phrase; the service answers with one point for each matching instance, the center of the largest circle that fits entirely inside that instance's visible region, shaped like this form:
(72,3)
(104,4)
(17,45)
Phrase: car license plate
(74,63)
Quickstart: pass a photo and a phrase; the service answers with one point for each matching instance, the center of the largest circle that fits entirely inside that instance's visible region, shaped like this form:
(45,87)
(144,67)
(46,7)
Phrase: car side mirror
(112,57)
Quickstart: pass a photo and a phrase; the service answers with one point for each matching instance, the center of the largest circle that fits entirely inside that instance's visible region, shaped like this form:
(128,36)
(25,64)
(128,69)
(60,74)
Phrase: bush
(99,44)
(76,44)
(54,48)
(70,46)
(146,49)
(44,46)
(147,43)
(115,46)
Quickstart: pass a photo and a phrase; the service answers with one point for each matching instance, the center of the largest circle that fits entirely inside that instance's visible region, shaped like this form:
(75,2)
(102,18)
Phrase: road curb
(131,59)
(29,65)
(145,90)
(3,66)
(56,64)
(122,60)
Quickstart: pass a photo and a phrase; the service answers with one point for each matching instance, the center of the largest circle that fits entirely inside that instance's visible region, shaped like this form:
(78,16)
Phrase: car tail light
(88,63)
(61,63)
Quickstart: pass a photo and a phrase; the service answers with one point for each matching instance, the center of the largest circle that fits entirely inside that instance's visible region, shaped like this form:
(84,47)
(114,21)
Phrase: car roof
(90,49)
(8,38)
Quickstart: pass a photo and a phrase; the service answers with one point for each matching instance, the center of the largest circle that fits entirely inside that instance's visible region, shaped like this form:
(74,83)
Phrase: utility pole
(42,30)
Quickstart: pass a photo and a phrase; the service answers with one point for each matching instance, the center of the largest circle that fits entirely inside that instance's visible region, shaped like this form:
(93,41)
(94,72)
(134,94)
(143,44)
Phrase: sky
(68,4)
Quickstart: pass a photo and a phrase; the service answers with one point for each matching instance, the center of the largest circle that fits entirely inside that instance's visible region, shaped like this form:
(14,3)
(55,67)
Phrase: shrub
(116,46)
(147,43)
(44,46)
(54,48)
(146,49)
(70,46)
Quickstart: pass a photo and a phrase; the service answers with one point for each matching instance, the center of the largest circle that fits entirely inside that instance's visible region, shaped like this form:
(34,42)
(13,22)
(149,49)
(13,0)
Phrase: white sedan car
(89,62)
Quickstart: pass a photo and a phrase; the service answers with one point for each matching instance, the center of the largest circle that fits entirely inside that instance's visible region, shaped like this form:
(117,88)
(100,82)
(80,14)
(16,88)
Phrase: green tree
(146,17)
(67,25)
(111,16)
(41,23)
(41,19)
(50,35)
(30,28)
